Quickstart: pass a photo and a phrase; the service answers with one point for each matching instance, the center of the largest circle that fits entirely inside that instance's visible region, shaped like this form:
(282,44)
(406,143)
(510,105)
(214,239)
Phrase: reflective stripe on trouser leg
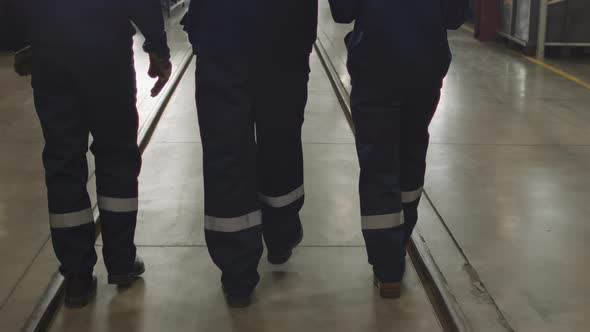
(281,223)
(73,235)
(411,196)
(278,202)
(118,221)
(72,219)
(118,204)
(235,245)
(231,225)
(381,221)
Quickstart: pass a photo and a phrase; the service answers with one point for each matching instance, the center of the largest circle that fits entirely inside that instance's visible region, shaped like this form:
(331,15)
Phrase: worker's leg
(66,130)
(232,212)
(280,100)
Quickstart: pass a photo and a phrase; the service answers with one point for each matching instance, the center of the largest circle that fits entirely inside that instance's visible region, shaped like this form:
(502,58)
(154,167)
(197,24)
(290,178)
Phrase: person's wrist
(160,61)
(23,50)
(161,57)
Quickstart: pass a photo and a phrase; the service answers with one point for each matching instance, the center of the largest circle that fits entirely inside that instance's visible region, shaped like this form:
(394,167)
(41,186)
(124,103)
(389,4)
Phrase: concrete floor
(507,173)
(577,64)
(26,259)
(321,289)
(326,286)
(507,177)
(514,191)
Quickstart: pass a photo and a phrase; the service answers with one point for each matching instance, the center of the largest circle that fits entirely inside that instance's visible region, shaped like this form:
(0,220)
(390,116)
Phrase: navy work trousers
(77,93)
(251,111)
(391,109)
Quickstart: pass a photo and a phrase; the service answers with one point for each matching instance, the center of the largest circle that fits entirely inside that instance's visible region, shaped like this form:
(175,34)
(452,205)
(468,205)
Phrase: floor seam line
(22,276)
(439,216)
(515,145)
(304,143)
(205,246)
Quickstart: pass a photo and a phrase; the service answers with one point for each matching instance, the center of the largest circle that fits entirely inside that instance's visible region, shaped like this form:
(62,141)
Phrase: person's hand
(23,61)
(160,68)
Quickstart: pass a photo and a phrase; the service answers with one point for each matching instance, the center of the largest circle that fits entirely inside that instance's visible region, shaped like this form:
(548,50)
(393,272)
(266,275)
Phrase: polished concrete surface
(326,286)
(321,289)
(507,173)
(507,177)
(26,259)
(575,62)
(23,212)
(514,192)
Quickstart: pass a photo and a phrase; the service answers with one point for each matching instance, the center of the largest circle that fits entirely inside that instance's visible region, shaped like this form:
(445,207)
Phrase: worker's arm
(455,13)
(18,14)
(20,36)
(345,11)
(189,20)
(147,16)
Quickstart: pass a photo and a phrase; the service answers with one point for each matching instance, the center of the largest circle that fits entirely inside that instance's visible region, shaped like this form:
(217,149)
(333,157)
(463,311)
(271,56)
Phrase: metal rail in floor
(52,299)
(447,309)
(424,288)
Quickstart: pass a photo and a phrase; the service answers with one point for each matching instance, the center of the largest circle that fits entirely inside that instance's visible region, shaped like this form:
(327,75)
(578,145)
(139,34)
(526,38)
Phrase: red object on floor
(486,19)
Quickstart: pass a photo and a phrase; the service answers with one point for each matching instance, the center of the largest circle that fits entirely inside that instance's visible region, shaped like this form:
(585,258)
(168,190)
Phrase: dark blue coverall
(84,83)
(398,57)
(251,77)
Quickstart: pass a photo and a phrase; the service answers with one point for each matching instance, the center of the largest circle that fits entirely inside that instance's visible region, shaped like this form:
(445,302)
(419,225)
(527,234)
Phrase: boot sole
(390,290)
(278,260)
(81,301)
(125,280)
(282,259)
(238,302)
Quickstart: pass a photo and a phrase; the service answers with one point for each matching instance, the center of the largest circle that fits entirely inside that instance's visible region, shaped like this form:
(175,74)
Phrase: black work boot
(281,257)
(389,287)
(388,290)
(80,290)
(410,220)
(237,301)
(125,280)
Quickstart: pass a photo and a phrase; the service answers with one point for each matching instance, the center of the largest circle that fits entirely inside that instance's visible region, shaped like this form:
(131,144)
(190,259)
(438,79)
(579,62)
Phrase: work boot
(237,301)
(276,257)
(80,290)
(388,290)
(125,280)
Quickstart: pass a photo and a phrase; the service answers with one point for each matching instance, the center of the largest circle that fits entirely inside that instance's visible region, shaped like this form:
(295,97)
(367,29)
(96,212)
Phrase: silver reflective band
(382,222)
(411,196)
(118,204)
(282,201)
(231,225)
(69,220)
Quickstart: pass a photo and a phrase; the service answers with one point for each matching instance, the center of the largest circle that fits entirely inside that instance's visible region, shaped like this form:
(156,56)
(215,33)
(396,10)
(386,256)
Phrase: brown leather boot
(388,290)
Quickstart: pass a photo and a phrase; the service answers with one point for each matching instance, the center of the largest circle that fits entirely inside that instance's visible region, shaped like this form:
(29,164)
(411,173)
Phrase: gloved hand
(23,61)
(160,68)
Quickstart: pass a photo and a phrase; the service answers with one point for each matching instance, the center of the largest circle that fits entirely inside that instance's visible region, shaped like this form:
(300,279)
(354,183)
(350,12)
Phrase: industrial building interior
(502,240)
